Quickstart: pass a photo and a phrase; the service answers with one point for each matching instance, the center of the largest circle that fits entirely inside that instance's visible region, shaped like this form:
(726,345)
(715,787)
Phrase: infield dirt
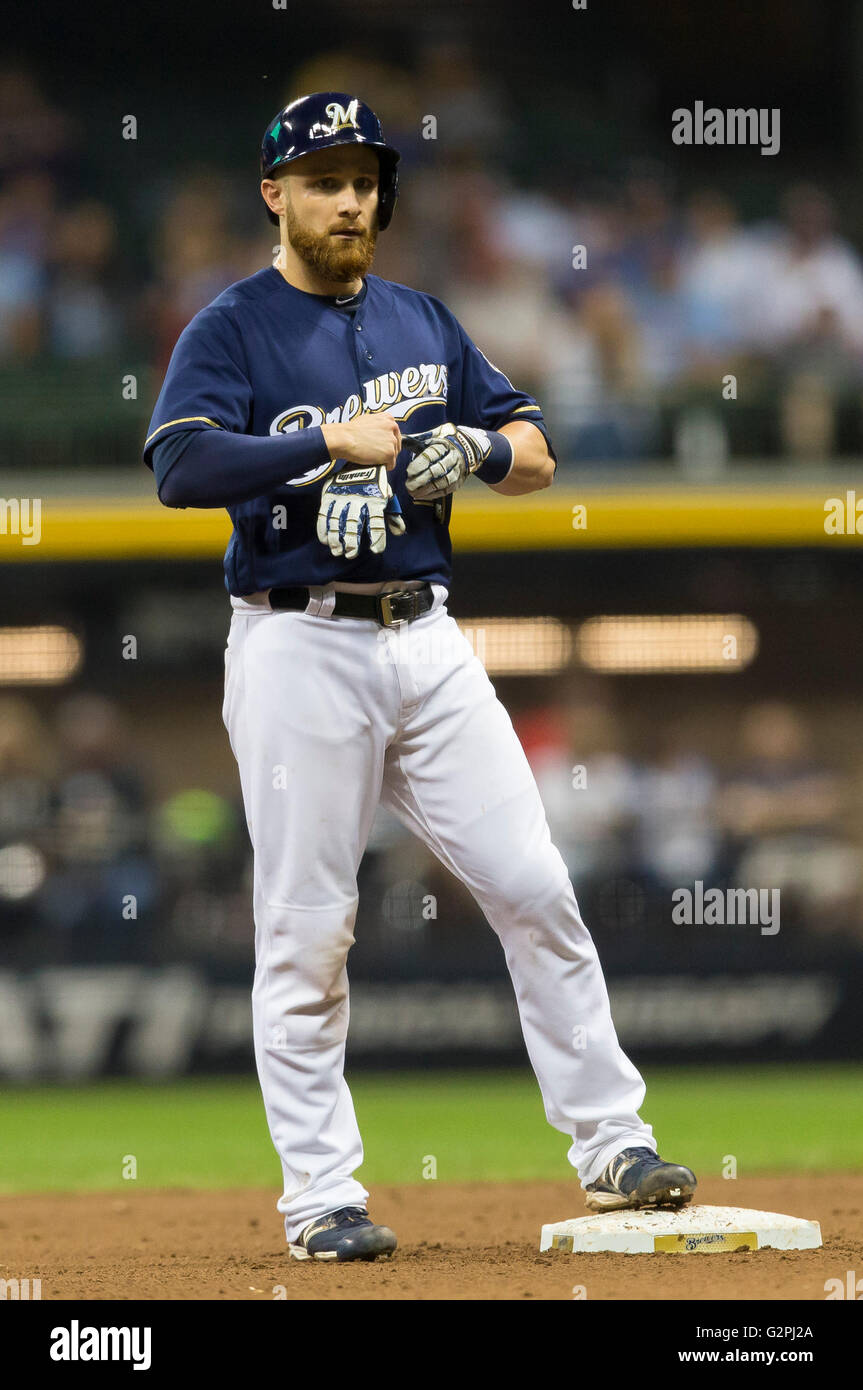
(456,1241)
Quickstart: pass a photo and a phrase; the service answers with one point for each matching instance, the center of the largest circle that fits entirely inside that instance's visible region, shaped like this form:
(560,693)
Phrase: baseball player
(335,415)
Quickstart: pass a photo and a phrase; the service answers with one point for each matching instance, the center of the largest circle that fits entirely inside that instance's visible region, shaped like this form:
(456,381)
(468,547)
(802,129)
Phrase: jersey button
(359,328)
(369,356)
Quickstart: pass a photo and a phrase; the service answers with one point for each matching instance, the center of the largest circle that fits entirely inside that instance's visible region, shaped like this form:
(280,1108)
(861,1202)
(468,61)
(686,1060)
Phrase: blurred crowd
(95,867)
(648,318)
(635,829)
(92,865)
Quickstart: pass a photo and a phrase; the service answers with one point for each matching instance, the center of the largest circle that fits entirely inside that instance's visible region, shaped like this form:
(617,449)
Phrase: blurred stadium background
(675,629)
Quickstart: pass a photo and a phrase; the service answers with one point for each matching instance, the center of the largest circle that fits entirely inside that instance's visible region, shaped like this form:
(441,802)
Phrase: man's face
(331,202)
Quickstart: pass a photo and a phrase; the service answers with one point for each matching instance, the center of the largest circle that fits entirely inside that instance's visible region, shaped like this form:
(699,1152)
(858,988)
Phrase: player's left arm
(496,432)
(532,464)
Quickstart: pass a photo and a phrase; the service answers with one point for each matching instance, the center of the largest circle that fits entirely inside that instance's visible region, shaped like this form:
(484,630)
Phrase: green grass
(476,1125)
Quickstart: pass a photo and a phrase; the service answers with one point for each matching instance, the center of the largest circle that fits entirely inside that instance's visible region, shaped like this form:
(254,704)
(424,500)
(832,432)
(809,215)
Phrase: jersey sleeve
(206,385)
(488,397)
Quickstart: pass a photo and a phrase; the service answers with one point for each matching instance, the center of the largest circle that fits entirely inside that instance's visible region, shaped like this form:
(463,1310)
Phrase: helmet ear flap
(388,187)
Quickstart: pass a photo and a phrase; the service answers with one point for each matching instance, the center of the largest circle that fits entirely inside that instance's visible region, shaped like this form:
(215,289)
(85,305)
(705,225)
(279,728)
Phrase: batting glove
(357,502)
(445,457)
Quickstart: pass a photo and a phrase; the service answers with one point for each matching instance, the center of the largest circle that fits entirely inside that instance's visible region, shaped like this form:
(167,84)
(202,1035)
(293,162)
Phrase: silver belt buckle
(385,604)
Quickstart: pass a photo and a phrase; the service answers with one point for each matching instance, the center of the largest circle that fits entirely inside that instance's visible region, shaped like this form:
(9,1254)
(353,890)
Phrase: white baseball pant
(327,717)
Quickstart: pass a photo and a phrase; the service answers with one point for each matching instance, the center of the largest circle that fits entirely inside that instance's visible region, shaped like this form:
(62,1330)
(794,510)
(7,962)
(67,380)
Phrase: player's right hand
(372,441)
(358,502)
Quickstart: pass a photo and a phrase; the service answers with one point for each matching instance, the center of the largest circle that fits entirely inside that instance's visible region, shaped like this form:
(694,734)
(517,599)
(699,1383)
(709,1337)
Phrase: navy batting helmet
(318,122)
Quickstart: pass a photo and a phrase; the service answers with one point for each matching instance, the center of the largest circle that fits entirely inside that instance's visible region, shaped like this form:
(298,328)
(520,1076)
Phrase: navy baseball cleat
(347,1234)
(640,1178)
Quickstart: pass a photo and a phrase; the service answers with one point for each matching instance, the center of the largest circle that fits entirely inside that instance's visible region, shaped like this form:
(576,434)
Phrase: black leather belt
(400,606)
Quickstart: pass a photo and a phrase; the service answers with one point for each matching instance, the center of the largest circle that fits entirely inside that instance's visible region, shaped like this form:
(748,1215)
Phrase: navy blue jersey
(265,358)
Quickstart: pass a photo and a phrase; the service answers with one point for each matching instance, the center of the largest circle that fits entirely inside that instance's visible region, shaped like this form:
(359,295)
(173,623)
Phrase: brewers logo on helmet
(320,121)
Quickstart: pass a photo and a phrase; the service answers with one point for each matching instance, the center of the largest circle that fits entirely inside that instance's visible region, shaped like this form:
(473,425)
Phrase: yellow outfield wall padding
(562,519)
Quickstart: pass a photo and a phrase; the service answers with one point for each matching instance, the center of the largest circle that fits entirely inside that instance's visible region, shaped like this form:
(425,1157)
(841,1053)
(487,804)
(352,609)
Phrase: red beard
(337,261)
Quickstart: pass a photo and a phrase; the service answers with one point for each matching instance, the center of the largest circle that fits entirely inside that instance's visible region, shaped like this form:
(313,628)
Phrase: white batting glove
(356,502)
(444,458)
